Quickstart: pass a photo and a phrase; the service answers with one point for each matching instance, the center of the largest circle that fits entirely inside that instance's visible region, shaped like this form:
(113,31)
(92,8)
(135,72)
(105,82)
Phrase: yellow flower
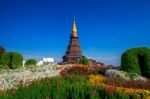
(134,92)
(96,78)
(148,97)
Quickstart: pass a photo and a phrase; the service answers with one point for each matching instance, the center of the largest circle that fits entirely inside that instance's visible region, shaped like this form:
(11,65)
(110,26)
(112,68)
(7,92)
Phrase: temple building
(73,52)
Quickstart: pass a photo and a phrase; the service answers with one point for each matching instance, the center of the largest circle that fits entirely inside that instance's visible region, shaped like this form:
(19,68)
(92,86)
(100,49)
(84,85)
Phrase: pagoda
(73,52)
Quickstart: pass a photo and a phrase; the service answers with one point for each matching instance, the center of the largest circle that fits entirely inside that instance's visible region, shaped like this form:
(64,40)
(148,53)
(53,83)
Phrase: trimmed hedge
(31,62)
(11,60)
(136,60)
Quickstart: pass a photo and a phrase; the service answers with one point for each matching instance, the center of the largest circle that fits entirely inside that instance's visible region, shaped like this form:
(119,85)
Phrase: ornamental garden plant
(83,60)
(136,60)
(30,63)
(11,60)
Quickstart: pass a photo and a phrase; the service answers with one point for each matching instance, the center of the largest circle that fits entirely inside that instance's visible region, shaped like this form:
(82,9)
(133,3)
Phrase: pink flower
(27,85)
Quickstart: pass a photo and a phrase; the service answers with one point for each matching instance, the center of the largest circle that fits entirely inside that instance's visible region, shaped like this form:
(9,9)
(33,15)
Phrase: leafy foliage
(30,63)
(84,60)
(136,60)
(11,60)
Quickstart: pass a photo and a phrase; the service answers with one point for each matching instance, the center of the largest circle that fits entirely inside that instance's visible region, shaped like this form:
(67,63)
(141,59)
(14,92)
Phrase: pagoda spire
(73,52)
(74,28)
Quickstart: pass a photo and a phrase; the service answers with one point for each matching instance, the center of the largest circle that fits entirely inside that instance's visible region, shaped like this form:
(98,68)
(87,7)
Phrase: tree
(12,60)
(136,60)
(2,51)
(84,60)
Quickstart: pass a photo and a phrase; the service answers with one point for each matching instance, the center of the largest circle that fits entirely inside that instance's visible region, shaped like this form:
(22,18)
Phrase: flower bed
(10,78)
(112,73)
(111,85)
(74,82)
(128,83)
(74,87)
(83,70)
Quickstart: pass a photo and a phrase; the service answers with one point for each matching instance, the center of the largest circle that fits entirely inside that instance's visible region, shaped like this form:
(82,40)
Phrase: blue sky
(106,28)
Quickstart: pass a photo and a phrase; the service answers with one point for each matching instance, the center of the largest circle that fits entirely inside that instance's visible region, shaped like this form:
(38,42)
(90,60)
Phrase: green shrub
(136,60)
(84,60)
(31,63)
(11,60)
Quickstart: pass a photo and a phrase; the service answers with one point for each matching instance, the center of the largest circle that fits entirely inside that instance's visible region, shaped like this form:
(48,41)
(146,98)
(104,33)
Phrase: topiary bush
(84,60)
(31,63)
(11,60)
(136,60)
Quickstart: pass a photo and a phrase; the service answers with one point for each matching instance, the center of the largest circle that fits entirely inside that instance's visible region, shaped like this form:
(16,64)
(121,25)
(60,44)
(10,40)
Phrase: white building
(23,63)
(46,61)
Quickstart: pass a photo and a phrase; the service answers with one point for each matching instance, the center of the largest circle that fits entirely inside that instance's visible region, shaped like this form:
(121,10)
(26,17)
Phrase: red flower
(110,89)
(21,81)
(94,92)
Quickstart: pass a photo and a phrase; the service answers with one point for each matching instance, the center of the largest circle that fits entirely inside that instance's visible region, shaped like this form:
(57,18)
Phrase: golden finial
(74,28)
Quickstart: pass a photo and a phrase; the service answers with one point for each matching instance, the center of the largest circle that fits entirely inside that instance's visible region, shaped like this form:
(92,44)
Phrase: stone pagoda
(73,52)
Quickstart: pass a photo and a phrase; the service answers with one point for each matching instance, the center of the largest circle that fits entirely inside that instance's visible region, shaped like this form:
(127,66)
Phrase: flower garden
(80,82)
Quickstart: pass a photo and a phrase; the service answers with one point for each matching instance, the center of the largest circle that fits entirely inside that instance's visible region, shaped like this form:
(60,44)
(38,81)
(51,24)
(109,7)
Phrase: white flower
(124,75)
(10,78)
